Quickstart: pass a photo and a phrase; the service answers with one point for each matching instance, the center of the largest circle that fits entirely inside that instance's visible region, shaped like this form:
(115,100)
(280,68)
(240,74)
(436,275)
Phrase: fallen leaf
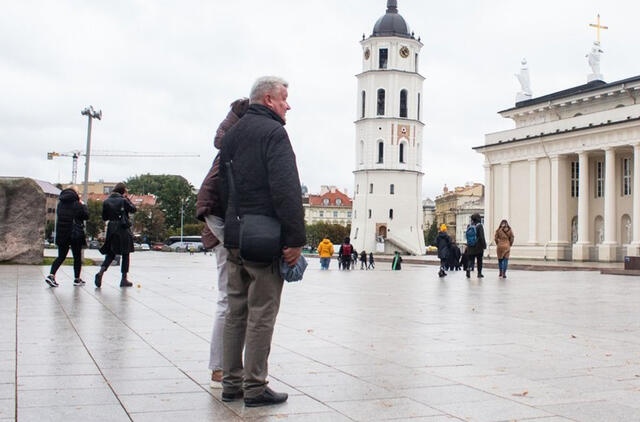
(524,393)
(608,354)
(138,286)
(572,336)
(309,331)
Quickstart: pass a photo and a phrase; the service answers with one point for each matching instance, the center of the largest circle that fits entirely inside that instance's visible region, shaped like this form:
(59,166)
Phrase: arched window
(338,201)
(380,152)
(364,102)
(392,189)
(361,152)
(381,100)
(418,108)
(403,103)
(383,55)
(391,214)
(325,201)
(401,152)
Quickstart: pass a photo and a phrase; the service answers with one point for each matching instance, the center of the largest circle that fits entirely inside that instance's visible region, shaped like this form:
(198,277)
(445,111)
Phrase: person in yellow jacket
(325,250)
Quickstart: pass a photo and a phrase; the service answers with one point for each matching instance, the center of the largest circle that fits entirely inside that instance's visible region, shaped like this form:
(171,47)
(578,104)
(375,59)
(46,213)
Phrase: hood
(326,241)
(69,195)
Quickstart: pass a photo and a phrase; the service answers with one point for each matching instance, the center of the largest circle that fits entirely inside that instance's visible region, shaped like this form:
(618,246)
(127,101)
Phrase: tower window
(357,188)
(381,102)
(401,154)
(403,103)
(380,152)
(418,108)
(369,213)
(370,187)
(416,62)
(364,98)
(391,214)
(392,189)
(382,58)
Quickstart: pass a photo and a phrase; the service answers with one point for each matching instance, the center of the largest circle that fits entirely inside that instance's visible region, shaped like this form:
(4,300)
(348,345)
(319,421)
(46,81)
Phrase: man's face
(277,101)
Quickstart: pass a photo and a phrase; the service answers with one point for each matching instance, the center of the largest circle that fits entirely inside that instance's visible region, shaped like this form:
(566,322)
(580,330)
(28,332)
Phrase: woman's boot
(98,279)
(124,282)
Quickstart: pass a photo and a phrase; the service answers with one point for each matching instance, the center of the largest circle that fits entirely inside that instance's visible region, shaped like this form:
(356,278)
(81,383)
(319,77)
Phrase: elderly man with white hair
(259,177)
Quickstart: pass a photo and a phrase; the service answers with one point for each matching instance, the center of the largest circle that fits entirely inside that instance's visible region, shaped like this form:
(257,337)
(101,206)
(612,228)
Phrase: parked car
(145,247)
(186,246)
(158,246)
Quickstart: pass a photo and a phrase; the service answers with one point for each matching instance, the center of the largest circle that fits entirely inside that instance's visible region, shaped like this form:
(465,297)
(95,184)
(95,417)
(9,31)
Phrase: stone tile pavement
(360,345)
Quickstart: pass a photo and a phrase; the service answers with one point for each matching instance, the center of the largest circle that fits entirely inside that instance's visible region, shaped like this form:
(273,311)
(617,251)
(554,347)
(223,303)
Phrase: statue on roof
(594,62)
(525,83)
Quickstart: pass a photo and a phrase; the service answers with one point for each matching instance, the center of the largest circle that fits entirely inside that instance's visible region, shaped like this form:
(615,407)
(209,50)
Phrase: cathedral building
(567,177)
(387,207)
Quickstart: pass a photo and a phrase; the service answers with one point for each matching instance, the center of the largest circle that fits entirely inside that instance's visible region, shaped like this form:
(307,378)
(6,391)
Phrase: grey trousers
(216,225)
(253,292)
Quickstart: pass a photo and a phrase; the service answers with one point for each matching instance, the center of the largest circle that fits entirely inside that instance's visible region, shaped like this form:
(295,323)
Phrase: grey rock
(22,217)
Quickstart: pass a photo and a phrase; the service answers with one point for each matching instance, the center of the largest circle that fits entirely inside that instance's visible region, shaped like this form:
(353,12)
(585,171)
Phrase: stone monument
(22,216)
(525,83)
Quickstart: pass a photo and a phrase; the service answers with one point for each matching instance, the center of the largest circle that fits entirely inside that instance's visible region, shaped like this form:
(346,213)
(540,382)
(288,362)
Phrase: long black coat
(265,174)
(119,240)
(70,212)
(442,242)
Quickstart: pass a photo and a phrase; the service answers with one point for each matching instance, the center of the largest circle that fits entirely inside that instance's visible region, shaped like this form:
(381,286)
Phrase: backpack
(346,249)
(472,236)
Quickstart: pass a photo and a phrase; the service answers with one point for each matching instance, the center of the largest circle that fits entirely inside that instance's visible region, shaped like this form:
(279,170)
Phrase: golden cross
(598,26)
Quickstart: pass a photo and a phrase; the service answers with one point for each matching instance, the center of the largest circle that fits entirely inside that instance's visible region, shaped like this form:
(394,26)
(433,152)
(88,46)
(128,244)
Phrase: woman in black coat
(119,239)
(476,250)
(70,216)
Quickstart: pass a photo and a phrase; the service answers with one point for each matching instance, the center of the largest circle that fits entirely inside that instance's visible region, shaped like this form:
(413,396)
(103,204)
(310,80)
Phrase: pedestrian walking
(119,240)
(354,258)
(363,260)
(476,244)
(371,261)
(396,262)
(260,180)
(71,214)
(443,242)
(325,251)
(344,253)
(210,210)
(453,262)
(504,240)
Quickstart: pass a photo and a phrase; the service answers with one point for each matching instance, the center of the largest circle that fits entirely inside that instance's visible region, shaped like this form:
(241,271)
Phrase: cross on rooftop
(598,26)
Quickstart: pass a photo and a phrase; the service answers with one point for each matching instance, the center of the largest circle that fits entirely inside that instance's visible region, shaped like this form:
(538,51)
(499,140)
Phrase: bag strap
(232,189)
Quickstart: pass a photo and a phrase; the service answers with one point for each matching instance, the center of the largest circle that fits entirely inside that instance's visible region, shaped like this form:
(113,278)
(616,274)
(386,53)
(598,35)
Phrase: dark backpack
(472,235)
(346,249)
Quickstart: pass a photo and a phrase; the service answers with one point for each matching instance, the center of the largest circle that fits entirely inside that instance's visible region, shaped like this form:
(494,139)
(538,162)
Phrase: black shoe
(468,274)
(227,397)
(267,398)
(125,283)
(98,279)
(51,280)
(480,275)
(78,282)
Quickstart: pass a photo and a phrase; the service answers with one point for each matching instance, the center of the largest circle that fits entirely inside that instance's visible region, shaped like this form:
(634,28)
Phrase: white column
(558,244)
(533,201)
(634,248)
(488,198)
(607,250)
(581,248)
(506,190)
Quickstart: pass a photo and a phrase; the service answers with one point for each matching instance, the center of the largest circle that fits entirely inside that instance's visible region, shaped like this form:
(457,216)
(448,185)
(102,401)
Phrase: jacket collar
(262,110)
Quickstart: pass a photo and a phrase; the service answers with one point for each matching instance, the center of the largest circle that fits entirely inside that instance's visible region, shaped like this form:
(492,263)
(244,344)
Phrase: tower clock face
(367,53)
(404,52)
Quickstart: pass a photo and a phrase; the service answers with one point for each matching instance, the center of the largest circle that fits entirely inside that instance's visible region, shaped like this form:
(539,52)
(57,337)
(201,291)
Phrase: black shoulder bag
(259,234)
(124,217)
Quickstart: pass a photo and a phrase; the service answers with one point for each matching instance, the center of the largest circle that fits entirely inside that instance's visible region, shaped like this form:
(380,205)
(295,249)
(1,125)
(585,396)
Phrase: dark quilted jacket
(265,174)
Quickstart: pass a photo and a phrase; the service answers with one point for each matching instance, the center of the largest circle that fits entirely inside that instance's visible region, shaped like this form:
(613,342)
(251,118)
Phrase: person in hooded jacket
(344,253)
(119,239)
(70,216)
(443,242)
(504,241)
(476,250)
(325,250)
(210,210)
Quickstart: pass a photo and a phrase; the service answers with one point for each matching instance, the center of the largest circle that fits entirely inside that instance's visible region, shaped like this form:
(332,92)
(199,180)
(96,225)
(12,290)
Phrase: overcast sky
(164,73)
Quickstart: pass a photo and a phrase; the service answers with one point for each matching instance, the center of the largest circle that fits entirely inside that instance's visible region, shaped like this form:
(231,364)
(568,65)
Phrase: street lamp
(181,218)
(91,114)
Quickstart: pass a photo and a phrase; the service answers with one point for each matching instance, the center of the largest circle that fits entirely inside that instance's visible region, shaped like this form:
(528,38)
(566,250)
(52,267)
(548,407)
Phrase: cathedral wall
(544,201)
(519,201)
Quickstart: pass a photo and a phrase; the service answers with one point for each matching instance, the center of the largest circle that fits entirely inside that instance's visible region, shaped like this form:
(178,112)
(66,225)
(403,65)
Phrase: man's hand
(291,255)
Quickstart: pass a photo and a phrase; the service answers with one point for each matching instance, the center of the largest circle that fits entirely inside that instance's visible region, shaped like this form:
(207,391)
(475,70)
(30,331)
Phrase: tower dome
(392,24)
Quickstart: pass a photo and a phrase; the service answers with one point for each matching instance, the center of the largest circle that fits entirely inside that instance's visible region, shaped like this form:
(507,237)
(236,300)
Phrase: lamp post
(181,218)
(91,114)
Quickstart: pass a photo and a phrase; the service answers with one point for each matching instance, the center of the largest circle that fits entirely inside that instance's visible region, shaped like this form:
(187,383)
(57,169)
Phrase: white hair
(265,85)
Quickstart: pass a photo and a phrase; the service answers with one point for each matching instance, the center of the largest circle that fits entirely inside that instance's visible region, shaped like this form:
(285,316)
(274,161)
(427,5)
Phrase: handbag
(77,230)
(123,218)
(259,234)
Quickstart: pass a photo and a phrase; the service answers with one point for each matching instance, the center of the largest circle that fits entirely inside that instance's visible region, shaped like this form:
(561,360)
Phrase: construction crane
(77,153)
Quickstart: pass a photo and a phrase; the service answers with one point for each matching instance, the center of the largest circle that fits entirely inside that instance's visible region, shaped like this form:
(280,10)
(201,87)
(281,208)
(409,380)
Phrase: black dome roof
(392,24)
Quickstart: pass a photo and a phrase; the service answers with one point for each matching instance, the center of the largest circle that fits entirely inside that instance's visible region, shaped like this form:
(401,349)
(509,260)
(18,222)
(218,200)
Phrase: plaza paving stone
(348,346)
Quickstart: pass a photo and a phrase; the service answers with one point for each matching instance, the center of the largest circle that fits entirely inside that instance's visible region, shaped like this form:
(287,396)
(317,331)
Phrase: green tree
(191,229)
(95,225)
(150,222)
(48,229)
(334,232)
(431,233)
(173,193)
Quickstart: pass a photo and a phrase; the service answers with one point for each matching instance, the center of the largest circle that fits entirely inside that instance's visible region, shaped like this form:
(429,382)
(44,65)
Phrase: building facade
(98,188)
(455,207)
(330,206)
(387,208)
(428,213)
(567,176)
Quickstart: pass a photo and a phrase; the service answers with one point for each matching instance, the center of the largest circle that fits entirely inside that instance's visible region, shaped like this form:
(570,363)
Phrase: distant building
(330,206)
(51,193)
(458,202)
(99,187)
(428,213)
(136,200)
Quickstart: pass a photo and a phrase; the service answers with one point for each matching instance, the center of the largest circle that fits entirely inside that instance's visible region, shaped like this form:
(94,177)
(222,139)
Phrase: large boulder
(22,216)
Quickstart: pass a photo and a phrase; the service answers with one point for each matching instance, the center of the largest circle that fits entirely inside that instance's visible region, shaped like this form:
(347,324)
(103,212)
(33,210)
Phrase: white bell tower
(387,210)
